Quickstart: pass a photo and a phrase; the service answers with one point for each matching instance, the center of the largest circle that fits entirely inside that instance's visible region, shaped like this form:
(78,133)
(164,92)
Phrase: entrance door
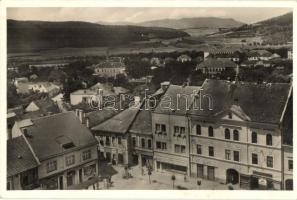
(289,184)
(61,182)
(210,173)
(70,178)
(120,158)
(232,176)
(200,171)
(80,175)
(254,182)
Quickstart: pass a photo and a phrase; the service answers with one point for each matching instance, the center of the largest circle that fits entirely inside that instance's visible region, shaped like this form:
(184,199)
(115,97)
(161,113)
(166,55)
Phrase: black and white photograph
(149,98)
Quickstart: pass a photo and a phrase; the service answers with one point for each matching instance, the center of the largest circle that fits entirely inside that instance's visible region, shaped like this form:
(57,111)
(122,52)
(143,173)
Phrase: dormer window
(68,145)
(230,115)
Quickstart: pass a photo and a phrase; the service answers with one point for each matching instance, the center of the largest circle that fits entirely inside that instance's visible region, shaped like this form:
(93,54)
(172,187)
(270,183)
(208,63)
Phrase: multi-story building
(239,138)
(170,129)
(216,65)
(64,148)
(113,136)
(22,165)
(142,138)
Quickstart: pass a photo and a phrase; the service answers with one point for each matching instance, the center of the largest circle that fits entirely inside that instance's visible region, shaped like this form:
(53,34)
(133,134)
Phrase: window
(149,143)
(183,149)
(210,151)
(107,141)
(227,134)
(158,127)
(70,160)
(182,130)
(134,141)
(254,159)
(164,146)
(163,128)
(254,137)
(112,140)
(51,166)
(119,140)
(176,130)
(199,149)
(269,139)
(161,145)
(230,115)
(86,154)
(142,142)
(290,164)
(210,131)
(198,130)
(177,148)
(158,145)
(236,156)
(236,135)
(269,161)
(227,154)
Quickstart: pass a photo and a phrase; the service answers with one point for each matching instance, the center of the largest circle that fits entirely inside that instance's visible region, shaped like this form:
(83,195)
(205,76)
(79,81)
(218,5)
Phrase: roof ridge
(53,115)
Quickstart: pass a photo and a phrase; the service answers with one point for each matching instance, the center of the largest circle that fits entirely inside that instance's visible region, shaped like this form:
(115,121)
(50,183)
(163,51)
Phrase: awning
(85,184)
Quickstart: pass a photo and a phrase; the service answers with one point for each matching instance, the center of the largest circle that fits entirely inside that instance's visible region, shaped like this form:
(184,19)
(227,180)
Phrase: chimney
(81,116)
(136,100)
(165,85)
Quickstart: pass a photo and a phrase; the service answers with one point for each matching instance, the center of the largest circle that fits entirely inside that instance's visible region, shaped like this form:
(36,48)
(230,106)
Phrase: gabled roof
(180,97)
(260,102)
(217,62)
(45,130)
(98,116)
(119,123)
(19,156)
(46,105)
(143,122)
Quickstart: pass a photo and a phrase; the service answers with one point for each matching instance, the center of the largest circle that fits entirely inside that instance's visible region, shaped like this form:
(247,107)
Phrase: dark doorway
(254,183)
(80,175)
(289,184)
(135,159)
(200,171)
(61,182)
(210,173)
(232,176)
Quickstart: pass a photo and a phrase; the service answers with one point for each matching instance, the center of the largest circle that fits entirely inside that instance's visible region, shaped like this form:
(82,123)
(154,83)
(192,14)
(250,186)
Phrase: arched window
(269,139)
(254,137)
(210,131)
(198,129)
(227,134)
(236,135)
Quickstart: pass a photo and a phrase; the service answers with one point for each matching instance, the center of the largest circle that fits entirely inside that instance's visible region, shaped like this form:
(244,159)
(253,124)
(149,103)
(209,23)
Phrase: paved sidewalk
(160,181)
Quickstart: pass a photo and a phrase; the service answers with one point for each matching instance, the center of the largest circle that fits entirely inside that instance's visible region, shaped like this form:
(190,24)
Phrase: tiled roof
(44,132)
(180,97)
(84,91)
(260,102)
(219,62)
(98,116)
(19,156)
(142,122)
(47,105)
(120,123)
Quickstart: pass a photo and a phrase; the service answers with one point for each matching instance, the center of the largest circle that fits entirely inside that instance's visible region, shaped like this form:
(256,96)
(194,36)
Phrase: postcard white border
(130,194)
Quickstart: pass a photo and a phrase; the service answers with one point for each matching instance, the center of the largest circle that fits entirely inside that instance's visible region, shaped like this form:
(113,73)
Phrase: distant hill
(185,23)
(38,35)
(198,22)
(277,30)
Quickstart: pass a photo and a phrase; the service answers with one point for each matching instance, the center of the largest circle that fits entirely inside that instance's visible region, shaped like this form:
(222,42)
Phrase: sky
(107,14)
